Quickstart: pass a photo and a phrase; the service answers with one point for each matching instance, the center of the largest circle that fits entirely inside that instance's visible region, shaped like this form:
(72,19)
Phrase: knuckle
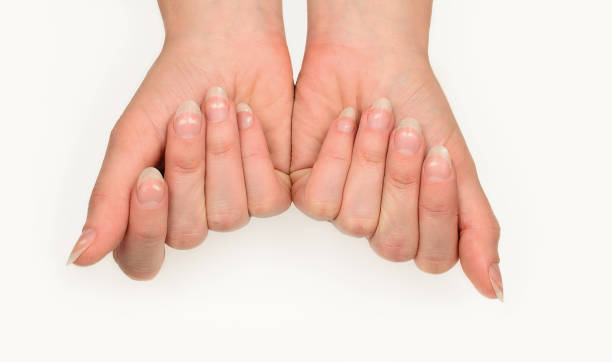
(436,208)
(147,236)
(119,138)
(358,227)
(139,273)
(115,135)
(227,220)
(186,238)
(495,229)
(136,269)
(320,210)
(435,263)
(100,195)
(403,178)
(184,165)
(371,157)
(395,247)
(333,157)
(268,207)
(255,154)
(220,145)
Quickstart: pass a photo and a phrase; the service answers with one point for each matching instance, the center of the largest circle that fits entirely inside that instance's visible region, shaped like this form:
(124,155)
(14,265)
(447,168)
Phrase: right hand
(252,64)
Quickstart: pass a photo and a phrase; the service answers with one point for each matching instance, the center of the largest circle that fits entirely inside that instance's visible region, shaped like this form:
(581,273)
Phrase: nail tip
(243,107)
(441,151)
(410,123)
(188,106)
(216,91)
(82,244)
(70,261)
(74,256)
(349,112)
(496,281)
(149,172)
(382,103)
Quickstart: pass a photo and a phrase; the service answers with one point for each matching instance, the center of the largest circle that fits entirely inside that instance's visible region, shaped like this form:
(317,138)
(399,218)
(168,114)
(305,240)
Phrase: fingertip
(150,173)
(267,192)
(216,105)
(438,166)
(434,265)
(496,281)
(382,104)
(84,241)
(348,112)
(347,121)
(408,138)
(189,106)
(150,187)
(244,113)
(480,261)
(410,123)
(243,107)
(100,236)
(187,123)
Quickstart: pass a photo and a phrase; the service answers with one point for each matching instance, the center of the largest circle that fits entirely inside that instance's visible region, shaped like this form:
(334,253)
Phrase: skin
(357,52)
(392,167)
(240,47)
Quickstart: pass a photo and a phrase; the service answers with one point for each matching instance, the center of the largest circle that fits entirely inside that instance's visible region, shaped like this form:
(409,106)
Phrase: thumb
(478,241)
(133,145)
(136,142)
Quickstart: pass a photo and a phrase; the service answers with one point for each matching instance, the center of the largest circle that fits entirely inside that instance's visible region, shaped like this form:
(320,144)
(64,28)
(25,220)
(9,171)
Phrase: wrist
(392,23)
(203,19)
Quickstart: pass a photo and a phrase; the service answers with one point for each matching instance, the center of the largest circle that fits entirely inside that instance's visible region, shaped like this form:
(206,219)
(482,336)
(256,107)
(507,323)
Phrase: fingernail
(150,187)
(437,164)
(216,105)
(188,120)
(346,120)
(87,237)
(245,115)
(408,136)
(496,281)
(380,114)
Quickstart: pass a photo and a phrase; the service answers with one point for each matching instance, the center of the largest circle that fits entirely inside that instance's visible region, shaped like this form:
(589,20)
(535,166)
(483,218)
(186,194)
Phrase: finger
(360,208)
(267,189)
(397,234)
(320,196)
(479,235)
(438,209)
(226,201)
(108,211)
(184,173)
(136,142)
(141,253)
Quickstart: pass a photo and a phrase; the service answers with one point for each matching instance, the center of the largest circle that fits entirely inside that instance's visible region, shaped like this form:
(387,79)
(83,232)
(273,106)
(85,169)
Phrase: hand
(374,187)
(252,64)
(174,211)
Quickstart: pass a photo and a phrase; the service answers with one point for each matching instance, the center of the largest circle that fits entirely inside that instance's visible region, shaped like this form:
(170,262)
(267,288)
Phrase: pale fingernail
(216,105)
(87,237)
(380,114)
(408,136)
(496,281)
(188,120)
(437,164)
(245,115)
(346,120)
(150,187)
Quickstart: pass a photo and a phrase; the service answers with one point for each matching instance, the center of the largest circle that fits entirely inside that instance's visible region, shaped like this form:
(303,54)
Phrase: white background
(531,85)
